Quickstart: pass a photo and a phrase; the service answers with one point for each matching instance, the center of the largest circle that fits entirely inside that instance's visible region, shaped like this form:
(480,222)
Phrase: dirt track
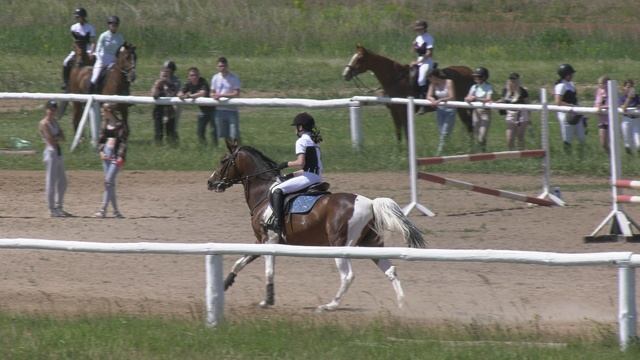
(176,207)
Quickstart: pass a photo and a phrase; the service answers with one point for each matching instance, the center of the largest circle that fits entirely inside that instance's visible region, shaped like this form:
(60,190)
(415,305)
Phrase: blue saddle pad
(304,203)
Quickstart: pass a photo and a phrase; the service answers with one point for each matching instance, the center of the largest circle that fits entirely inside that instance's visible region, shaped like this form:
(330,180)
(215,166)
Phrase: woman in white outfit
(106,49)
(308,160)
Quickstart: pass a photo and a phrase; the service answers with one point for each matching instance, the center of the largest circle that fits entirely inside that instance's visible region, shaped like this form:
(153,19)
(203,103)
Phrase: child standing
(600,103)
(630,122)
(481,91)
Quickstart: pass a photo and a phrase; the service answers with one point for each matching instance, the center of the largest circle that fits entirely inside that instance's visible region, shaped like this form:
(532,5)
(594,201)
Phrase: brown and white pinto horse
(340,219)
(117,81)
(395,80)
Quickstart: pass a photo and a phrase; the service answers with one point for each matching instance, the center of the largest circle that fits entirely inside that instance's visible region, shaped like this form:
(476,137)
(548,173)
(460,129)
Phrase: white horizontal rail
(490,105)
(257,102)
(214,290)
(409,254)
(282,102)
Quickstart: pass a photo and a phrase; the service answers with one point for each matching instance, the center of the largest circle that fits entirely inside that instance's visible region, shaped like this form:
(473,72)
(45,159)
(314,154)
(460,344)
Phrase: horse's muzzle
(347,73)
(217,186)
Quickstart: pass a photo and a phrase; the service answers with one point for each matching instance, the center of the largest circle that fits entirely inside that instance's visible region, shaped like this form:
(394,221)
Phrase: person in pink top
(603,117)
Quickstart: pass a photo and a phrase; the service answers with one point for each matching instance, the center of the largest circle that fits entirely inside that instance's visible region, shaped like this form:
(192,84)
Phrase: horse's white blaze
(350,64)
(362,214)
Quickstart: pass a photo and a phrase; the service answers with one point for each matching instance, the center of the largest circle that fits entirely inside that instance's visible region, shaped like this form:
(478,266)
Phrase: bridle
(231,161)
(244,180)
(356,80)
(125,71)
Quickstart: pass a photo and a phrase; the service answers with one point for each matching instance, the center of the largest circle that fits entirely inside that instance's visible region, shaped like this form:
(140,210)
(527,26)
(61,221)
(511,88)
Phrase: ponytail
(315,135)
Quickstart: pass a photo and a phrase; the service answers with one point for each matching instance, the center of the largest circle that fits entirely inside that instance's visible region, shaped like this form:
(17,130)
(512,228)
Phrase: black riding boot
(422,94)
(66,70)
(277,203)
(92,88)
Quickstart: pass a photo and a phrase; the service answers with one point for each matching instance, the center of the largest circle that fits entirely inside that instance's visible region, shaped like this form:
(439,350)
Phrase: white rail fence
(626,262)
(354,104)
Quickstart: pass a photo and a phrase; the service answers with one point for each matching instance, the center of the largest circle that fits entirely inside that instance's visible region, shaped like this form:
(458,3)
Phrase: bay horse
(340,219)
(117,80)
(395,80)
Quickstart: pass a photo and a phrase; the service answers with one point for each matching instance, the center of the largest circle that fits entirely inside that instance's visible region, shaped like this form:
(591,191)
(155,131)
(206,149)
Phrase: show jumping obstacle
(546,198)
(484,190)
(622,225)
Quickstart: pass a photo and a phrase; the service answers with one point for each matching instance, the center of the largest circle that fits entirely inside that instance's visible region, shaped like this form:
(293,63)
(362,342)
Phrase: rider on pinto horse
(308,159)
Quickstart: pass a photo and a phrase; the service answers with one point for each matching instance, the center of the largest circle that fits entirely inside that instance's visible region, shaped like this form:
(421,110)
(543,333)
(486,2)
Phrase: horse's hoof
(326,307)
(264,304)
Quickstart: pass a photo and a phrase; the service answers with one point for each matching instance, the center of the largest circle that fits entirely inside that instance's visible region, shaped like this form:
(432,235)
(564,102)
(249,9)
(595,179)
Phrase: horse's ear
(232,145)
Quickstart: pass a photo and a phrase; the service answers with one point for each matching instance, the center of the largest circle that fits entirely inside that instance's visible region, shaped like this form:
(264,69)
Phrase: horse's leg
(346,278)
(465,117)
(269,264)
(390,271)
(237,267)
(399,115)
(77,113)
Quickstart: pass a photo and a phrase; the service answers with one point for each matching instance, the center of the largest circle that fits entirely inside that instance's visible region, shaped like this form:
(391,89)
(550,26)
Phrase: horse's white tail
(387,215)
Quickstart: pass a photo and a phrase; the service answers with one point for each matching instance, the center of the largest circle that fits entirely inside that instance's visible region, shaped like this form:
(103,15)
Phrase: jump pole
(546,161)
(413,166)
(483,190)
(621,223)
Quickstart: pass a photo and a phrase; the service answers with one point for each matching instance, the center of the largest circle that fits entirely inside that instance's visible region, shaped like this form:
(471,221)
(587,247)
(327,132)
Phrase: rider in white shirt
(308,160)
(423,46)
(106,49)
(85,35)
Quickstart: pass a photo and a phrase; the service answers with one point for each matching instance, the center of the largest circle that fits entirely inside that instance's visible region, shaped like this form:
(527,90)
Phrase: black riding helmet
(305,120)
(81,12)
(169,64)
(481,72)
(565,69)
(113,20)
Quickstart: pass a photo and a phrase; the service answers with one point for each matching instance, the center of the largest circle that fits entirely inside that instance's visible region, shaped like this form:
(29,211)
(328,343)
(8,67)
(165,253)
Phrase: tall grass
(37,337)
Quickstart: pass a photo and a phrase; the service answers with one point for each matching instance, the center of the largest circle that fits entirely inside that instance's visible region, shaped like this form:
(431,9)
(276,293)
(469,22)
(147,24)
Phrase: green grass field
(298,49)
(133,338)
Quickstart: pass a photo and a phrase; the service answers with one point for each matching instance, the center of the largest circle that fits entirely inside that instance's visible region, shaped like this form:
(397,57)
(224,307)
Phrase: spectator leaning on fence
(630,124)
(164,116)
(195,87)
(440,91)
(480,91)
(226,85)
(517,121)
(565,94)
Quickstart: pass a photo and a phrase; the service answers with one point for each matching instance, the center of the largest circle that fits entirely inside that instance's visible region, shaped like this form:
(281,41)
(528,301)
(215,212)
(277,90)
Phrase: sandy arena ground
(176,207)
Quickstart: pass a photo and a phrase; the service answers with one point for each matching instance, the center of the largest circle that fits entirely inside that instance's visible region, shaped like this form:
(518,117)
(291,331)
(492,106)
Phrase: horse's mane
(262,161)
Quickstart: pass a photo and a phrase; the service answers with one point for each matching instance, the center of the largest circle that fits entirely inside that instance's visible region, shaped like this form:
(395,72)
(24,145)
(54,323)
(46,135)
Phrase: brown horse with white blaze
(117,81)
(395,80)
(340,219)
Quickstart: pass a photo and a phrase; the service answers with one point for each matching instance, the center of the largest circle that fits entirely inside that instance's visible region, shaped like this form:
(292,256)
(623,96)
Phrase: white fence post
(214,291)
(354,123)
(413,171)
(83,120)
(626,305)
(546,161)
